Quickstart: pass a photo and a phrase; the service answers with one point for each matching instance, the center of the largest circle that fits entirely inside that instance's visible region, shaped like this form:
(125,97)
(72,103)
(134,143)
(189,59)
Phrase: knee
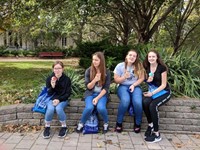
(145,102)
(59,109)
(89,108)
(152,107)
(101,109)
(124,102)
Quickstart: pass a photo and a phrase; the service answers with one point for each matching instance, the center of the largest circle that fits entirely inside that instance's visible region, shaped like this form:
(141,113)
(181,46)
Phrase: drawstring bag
(92,124)
(41,102)
(153,88)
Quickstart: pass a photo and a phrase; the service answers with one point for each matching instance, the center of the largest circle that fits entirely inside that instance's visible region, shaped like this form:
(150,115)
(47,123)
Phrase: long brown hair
(138,68)
(146,63)
(102,68)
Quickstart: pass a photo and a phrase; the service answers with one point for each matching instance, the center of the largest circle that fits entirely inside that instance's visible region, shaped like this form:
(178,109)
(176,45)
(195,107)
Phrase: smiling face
(131,57)
(96,61)
(58,70)
(152,58)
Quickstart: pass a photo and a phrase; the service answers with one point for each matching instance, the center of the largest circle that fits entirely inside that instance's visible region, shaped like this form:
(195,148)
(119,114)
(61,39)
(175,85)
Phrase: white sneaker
(79,127)
(105,127)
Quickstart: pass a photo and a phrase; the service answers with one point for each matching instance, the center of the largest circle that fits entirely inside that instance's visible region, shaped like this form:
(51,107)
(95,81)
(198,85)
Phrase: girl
(58,85)
(97,81)
(129,75)
(156,73)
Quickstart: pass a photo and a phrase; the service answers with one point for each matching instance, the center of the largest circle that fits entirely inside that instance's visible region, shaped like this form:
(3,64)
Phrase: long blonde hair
(137,65)
(102,68)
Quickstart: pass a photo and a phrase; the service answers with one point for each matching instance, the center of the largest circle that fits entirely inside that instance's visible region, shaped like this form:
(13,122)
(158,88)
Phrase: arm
(119,79)
(105,88)
(66,93)
(163,83)
(90,84)
(138,82)
(161,87)
(49,86)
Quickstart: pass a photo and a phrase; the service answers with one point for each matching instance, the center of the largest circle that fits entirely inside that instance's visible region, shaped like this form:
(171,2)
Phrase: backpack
(92,124)
(41,101)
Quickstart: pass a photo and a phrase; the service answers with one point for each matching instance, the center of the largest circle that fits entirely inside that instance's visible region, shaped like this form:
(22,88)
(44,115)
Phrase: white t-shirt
(120,71)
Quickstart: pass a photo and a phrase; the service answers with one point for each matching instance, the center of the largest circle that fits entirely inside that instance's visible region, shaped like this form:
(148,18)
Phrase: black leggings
(150,107)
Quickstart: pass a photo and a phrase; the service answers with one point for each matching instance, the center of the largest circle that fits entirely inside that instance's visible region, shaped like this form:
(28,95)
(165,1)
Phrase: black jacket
(62,88)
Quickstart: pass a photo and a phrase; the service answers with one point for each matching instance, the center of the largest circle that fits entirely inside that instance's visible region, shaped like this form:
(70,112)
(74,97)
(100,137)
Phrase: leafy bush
(85,62)
(184,73)
(78,84)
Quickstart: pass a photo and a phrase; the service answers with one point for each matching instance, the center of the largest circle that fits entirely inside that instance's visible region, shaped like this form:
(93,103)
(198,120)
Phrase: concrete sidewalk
(109,141)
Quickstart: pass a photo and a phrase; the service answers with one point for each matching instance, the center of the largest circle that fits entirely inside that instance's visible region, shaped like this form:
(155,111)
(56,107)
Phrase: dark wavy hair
(146,63)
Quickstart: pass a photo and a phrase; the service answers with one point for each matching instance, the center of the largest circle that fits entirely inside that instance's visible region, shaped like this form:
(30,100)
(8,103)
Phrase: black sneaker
(63,132)
(79,128)
(105,128)
(46,133)
(153,138)
(148,132)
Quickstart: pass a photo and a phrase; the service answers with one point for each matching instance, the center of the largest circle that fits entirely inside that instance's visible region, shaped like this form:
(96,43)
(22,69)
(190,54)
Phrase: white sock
(151,125)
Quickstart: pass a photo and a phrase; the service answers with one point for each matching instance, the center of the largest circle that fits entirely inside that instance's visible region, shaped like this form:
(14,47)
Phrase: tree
(180,24)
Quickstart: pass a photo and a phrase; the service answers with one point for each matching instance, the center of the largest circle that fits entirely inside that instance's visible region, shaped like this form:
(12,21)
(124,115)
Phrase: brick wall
(178,115)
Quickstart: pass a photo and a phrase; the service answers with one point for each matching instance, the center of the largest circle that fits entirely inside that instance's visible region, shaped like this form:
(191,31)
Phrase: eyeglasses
(57,68)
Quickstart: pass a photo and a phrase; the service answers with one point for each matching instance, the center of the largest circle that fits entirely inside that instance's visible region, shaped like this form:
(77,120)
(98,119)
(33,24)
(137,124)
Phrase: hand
(127,74)
(150,79)
(97,77)
(147,94)
(95,101)
(53,81)
(56,102)
(131,88)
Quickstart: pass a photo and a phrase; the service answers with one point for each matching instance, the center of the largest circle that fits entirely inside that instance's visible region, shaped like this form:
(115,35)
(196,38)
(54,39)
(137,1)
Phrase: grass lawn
(21,81)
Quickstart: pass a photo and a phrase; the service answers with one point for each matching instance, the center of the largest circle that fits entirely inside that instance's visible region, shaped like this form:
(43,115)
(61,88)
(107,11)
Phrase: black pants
(150,107)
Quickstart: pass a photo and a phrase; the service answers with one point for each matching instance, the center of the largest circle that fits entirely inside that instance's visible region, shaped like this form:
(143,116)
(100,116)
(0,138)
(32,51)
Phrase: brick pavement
(109,141)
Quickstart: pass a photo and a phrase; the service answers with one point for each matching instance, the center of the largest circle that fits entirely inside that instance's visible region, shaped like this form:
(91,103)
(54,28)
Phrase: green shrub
(184,73)
(77,80)
(85,62)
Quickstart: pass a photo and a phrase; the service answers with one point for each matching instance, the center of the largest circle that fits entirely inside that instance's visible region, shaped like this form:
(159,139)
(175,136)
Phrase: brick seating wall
(178,115)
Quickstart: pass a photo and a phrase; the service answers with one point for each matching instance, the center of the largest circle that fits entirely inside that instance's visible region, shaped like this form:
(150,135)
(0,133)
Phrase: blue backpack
(41,102)
(92,124)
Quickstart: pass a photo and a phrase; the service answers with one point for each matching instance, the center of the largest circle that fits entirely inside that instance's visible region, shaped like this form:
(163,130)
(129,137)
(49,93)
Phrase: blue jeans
(89,107)
(125,98)
(59,110)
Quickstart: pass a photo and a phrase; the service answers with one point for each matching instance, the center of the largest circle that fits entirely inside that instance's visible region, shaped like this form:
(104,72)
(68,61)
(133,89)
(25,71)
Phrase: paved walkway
(109,141)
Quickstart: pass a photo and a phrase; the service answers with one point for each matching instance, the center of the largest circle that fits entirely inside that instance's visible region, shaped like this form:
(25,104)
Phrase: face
(58,70)
(95,61)
(131,57)
(152,57)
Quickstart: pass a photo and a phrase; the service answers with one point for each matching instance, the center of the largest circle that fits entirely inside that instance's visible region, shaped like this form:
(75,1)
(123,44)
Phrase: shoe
(105,128)
(46,133)
(137,128)
(79,128)
(153,138)
(148,132)
(63,132)
(118,127)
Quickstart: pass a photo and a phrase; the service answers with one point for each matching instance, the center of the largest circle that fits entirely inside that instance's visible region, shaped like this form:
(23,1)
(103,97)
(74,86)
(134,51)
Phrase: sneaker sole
(156,140)
(46,137)
(63,135)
